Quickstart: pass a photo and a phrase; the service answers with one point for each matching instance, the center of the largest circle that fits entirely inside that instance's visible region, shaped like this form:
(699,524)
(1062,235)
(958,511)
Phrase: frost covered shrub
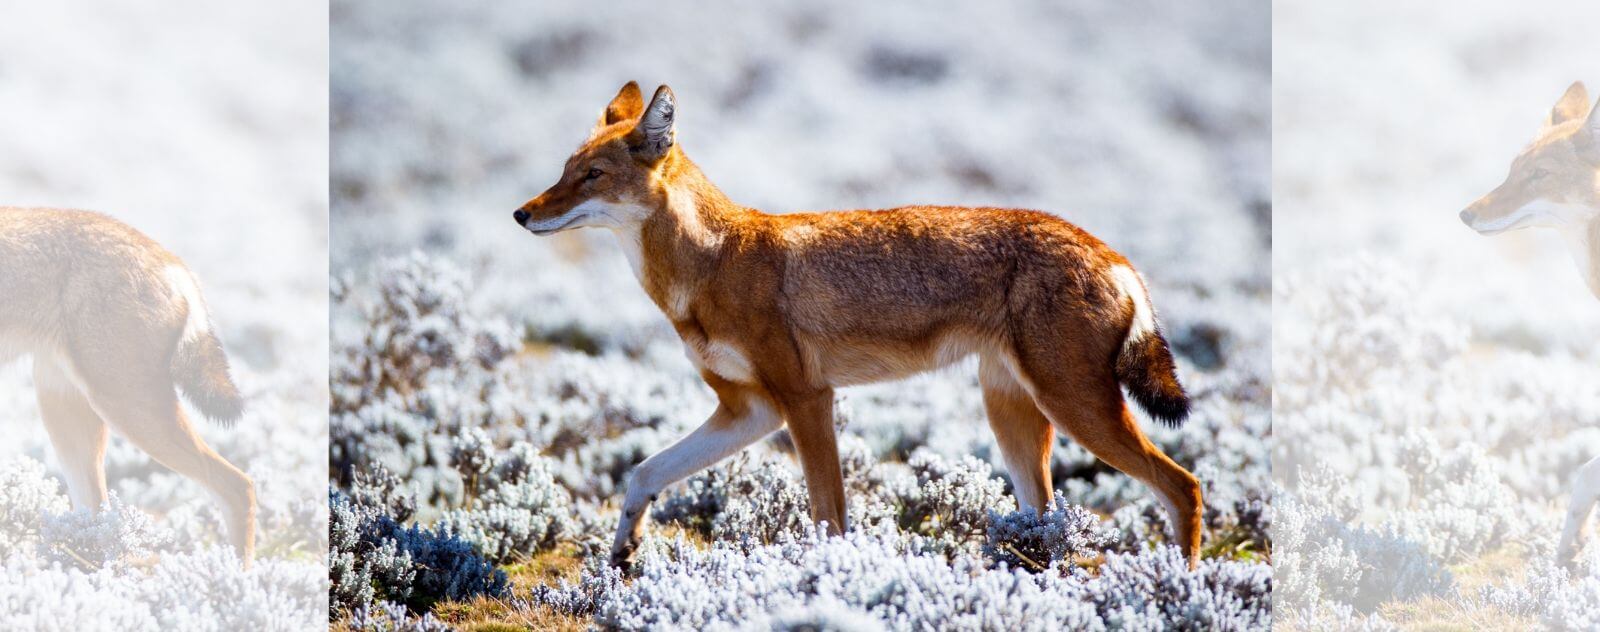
(1322,555)
(1027,539)
(27,497)
(95,538)
(755,498)
(416,324)
(387,616)
(519,509)
(205,590)
(1133,591)
(819,615)
(599,579)
(884,578)
(1558,599)
(34,517)
(372,557)
(420,370)
(953,499)
(1407,446)
(1459,506)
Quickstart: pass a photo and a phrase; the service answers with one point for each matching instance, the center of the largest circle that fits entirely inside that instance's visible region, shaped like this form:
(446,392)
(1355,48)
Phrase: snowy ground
(1143,122)
(204,126)
(1434,389)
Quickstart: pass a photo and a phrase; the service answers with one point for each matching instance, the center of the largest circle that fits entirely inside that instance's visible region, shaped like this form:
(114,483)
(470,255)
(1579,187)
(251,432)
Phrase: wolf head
(1555,181)
(613,180)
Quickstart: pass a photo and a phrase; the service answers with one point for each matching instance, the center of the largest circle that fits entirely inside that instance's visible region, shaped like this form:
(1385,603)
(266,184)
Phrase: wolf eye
(593,173)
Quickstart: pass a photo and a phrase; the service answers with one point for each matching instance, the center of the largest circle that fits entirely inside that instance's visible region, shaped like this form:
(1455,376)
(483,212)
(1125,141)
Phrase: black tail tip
(1170,411)
(223,409)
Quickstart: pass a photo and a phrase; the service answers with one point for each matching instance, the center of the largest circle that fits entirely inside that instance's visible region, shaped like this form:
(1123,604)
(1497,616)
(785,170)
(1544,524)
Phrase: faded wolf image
(163,352)
(113,322)
(1436,390)
(1555,184)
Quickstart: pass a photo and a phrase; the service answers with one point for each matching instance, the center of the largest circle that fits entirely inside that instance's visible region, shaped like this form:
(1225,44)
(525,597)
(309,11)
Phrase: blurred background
(1388,119)
(203,125)
(1434,389)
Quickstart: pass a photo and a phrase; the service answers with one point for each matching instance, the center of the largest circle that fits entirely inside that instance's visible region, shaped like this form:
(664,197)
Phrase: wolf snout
(521,216)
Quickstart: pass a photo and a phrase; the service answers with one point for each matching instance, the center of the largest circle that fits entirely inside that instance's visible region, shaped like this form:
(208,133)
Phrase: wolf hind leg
(143,406)
(1087,405)
(77,433)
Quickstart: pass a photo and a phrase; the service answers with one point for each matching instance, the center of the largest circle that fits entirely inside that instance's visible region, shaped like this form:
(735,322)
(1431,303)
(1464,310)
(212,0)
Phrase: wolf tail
(200,369)
(1144,364)
(199,365)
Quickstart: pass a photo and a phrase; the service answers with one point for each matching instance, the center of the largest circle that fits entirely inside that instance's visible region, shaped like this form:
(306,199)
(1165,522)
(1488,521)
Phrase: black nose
(1467,217)
(521,216)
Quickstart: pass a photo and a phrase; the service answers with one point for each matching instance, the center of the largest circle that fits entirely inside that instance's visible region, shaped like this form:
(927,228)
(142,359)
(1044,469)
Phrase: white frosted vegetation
(1409,461)
(439,495)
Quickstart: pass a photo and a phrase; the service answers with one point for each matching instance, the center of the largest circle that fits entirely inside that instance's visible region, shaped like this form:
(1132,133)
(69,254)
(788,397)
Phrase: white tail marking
(184,287)
(1144,315)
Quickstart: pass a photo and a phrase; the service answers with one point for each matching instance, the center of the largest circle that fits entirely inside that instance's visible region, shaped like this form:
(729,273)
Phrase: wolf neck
(680,243)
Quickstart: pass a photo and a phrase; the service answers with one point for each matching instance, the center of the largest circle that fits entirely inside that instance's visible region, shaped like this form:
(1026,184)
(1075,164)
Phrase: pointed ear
(1572,106)
(656,131)
(626,106)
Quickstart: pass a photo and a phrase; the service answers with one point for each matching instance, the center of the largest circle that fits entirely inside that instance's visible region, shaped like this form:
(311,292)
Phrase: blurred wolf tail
(200,369)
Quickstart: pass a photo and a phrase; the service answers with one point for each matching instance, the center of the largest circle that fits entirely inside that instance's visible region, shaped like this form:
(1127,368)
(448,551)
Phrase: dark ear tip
(663,92)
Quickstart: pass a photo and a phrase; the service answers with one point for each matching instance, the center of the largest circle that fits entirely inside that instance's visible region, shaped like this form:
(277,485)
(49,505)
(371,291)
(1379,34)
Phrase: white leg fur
(1585,492)
(713,441)
(76,432)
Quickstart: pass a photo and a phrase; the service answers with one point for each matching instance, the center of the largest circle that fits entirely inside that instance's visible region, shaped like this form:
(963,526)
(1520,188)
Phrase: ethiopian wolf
(114,323)
(777,311)
(1555,183)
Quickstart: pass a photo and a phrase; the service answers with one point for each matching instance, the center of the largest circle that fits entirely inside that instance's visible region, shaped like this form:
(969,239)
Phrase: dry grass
(491,615)
(1451,612)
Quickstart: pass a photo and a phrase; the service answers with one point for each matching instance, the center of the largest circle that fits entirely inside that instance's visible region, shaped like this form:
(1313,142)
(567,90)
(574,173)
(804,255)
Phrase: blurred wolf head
(1553,183)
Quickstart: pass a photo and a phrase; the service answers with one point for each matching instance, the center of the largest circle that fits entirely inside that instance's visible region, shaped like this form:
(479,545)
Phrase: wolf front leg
(738,422)
(1585,492)
(810,419)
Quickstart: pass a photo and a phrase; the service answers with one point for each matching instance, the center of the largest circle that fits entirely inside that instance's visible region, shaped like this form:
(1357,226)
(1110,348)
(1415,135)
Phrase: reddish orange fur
(785,308)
